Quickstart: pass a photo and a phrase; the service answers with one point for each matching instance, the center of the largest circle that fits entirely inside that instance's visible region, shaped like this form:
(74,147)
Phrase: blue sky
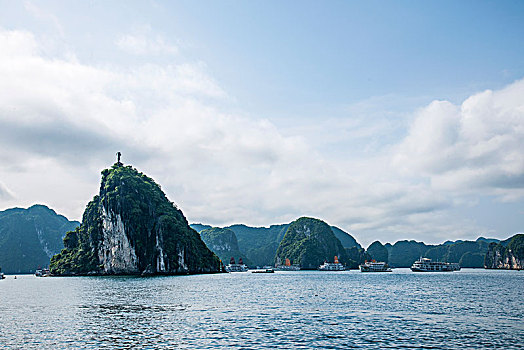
(392,120)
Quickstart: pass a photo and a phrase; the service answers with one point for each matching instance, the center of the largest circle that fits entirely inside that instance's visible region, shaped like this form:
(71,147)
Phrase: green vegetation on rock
(465,253)
(508,254)
(378,252)
(405,253)
(345,238)
(260,244)
(30,237)
(309,242)
(132,228)
(223,242)
(356,256)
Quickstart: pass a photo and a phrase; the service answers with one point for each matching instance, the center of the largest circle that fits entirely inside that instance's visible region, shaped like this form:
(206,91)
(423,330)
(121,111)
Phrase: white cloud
(70,114)
(17,43)
(62,121)
(477,146)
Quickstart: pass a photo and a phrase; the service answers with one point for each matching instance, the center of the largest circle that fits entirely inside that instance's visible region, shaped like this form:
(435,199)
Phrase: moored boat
(374,266)
(42,273)
(427,265)
(334,266)
(264,271)
(233,267)
(288,267)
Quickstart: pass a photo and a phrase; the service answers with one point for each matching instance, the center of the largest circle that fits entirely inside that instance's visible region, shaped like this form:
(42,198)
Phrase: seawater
(469,309)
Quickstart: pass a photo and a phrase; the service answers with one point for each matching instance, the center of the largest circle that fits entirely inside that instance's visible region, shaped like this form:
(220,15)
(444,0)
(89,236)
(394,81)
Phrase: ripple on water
(299,310)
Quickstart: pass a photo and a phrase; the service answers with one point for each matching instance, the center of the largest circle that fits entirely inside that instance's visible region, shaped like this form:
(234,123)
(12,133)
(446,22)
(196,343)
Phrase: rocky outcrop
(132,228)
(115,252)
(223,242)
(507,255)
(309,243)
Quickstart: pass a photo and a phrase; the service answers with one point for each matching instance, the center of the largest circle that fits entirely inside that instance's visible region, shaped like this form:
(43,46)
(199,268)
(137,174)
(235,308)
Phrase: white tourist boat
(334,266)
(42,273)
(287,266)
(233,267)
(426,265)
(374,266)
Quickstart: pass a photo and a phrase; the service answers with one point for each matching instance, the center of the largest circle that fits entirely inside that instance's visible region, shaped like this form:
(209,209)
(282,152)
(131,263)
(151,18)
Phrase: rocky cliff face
(309,242)
(132,228)
(506,255)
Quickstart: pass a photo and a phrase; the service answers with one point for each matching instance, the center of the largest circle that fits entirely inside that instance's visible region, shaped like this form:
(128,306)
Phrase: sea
(468,309)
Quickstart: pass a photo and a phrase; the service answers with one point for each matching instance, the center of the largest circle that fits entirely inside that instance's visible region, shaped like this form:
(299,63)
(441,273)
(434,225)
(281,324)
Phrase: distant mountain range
(259,244)
(30,237)
(466,253)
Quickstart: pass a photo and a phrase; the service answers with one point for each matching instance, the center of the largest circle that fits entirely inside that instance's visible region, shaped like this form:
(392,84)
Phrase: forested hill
(30,237)
(131,227)
(223,242)
(260,244)
(310,242)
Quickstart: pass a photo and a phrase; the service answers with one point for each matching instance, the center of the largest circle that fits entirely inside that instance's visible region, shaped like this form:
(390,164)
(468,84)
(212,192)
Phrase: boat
(374,266)
(233,267)
(2,276)
(42,273)
(263,271)
(334,266)
(426,265)
(287,266)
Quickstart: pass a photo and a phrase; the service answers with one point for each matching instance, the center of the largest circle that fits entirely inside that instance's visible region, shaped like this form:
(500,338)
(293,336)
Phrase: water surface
(284,310)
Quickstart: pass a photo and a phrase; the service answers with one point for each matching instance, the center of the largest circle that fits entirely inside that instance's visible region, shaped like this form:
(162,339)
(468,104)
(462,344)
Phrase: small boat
(42,273)
(334,266)
(263,271)
(373,266)
(426,265)
(233,267)
(2,276)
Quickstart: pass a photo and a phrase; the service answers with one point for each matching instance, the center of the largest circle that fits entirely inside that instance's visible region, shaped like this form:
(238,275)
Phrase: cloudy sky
(392,120)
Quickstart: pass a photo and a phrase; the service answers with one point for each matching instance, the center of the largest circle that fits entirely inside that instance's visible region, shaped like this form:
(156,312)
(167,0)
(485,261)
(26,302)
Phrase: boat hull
(368,270)
(424,270)
(374,267)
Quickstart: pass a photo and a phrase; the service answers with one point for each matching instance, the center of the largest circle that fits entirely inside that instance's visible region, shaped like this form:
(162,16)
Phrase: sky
(391,120)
